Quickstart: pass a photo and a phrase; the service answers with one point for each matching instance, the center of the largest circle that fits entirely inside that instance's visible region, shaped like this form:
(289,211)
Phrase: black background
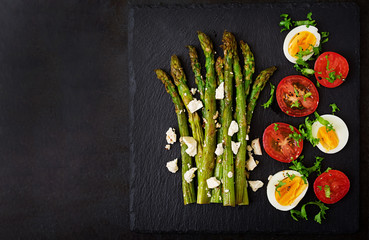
(64,123)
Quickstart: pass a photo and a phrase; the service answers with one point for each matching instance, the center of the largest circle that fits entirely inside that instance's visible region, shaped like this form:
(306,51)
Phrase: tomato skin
(285,95)
(278,145)
(337,63)
(337,181)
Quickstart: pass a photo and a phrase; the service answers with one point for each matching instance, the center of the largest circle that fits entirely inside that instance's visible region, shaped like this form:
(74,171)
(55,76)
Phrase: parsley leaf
(306,130)
(320,188)
(299,167)
(327,191)
(324,122)
(296,104)
(307,95)
(295,214)
(270,101)
(295,136)
(276,127)
(285,23)
(280,184)
(334,108)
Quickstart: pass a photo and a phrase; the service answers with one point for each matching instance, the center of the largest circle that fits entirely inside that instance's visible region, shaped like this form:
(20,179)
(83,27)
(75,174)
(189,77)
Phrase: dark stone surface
(155,33)
(64,123)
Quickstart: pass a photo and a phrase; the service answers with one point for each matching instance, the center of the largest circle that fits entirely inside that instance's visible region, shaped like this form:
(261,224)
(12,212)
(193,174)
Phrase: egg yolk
(304,39)
(328,139)
(287,193)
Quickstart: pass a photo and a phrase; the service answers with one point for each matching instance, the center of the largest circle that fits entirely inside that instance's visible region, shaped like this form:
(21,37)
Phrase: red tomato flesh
(279,145)
(335,182)
(334,64)
(297,96)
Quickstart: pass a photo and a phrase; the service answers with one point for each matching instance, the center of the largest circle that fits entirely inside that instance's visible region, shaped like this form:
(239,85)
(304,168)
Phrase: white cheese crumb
(167,147)
(172,166)
(193,91)
(204,120)
(213,182)
(219,150)
(219,92)
(247,137)
(235,147)
(255,185)
(190,174)
(249,148)
(255,144)
(226,190)
(216,115)
(191,145)
(270,177)
(194,105)
(208,194)
(230,174)
(233,128)
(251,164)
(218,125)
(171,136)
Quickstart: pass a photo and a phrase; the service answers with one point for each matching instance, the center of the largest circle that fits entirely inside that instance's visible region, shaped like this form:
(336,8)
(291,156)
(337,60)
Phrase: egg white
(341,130)
(292,33)
(274,180)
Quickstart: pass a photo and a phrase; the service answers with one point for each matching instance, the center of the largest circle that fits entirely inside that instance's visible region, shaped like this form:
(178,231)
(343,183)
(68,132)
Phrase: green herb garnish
(270,101)
(299,167)
(307,95)
(327,191)
(334,108)
(276,127)
(306,130)
(295,214)
(324,122)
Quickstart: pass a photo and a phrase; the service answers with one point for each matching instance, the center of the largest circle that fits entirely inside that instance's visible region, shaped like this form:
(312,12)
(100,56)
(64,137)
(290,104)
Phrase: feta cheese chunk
(255,144)
(235,147)
(230,174)
(172,166)
(191,146)
(171,136)
(219,92)
(249,148)
(251,163)
(270,177)
(194,105)
(219,150)
(193,91)
(167,147)
(218,125)
(190,174)
(255,185)
(233,128)
(213,182)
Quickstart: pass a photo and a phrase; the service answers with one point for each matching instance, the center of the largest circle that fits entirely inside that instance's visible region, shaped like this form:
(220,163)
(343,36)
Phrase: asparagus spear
(180,81)
(228,165)
(208,159)
(216,195)
(249,65)
(257,87)
(188,189)
(196,68)
(240,176)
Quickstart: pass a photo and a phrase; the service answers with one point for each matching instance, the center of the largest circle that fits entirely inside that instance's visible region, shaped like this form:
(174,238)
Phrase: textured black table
(64,123)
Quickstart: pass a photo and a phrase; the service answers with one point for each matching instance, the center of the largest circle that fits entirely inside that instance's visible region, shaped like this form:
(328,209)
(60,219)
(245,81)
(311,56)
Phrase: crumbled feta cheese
(216,115)
(250,163)
(249,148)
(208,194)
(255,144)
(255,185)
(189,175)
(219,92)
(233,128)
(194,105)
(213,182)
(218,125)
(219,150)
(235,147)
(171,136)
(191,145)
(204,120)
(226,190)
(172,166)
(230,174)
(247,137)
(193,91)
(270,177)
(167,147)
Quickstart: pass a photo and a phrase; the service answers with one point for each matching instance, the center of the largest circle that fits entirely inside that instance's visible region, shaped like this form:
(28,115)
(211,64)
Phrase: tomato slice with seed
(279,145)
(331,69)
(297,96)
(331,186)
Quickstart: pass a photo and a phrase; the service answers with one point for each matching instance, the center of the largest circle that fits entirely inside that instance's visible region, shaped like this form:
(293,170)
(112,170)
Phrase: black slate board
(157,32)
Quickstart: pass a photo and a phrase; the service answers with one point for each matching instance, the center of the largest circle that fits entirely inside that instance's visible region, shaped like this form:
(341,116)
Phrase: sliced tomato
(331,69)
(331,186)
(279,145)
(297,96)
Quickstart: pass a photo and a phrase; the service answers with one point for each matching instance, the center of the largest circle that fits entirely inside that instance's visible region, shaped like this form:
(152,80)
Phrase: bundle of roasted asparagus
(220,162)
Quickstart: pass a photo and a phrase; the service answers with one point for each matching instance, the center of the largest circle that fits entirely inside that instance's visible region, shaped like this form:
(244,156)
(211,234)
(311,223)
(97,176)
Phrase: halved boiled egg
(286,189)
(334,140)
(304,37)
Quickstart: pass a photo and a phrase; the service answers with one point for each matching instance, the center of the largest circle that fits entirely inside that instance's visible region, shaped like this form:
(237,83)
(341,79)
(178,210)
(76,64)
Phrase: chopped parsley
(295,214)
(306,130)
(307,95)
(285,23)
(270,101)
(327,191)
(296,91)
(329,168)
(280,184)
(276,127)
(320,188)
(296,104)
(291,177)
(334,108)
(295,136)
(299,167)
(324,122)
